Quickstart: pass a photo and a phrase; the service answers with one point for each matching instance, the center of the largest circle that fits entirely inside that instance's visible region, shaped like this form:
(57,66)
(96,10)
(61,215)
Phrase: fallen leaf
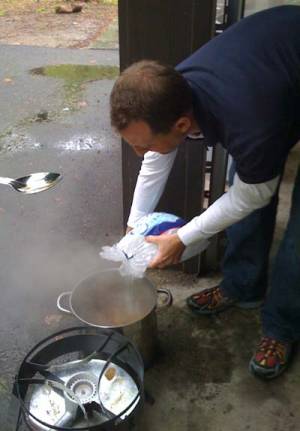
(63,9)
(7,80)
(82,104)
(77,8)
(42,115)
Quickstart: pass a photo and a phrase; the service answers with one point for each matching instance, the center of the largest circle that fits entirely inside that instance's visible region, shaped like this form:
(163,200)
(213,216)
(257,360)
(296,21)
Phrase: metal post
(168,31)
(210,260)
(234,11)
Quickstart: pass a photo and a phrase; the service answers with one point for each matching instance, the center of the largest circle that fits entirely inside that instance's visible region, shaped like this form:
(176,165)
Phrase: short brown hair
(151,92)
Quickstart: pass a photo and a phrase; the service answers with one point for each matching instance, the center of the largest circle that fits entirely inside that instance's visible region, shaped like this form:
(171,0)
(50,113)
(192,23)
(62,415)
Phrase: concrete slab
(201,380)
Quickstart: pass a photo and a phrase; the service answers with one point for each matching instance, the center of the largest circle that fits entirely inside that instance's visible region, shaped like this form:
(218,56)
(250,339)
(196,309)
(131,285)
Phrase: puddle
(14,142)
(77,73)
(82,143)
(75,76)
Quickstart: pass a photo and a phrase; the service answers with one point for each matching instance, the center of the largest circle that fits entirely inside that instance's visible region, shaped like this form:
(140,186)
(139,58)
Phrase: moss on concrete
(74,73)
(75,76)
(4,389)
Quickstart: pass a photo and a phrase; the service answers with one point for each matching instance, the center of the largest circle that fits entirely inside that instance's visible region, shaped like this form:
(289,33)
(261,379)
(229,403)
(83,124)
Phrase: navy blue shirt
(246,90)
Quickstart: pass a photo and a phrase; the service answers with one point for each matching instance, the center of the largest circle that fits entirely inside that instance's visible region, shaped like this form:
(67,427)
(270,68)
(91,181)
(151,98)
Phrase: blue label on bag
(157,223)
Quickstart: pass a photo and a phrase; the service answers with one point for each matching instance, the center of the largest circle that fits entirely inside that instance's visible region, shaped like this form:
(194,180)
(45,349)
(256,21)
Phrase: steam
(51,241)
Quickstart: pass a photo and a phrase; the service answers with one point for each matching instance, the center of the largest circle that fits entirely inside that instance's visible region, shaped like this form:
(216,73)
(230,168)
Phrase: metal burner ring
(84,386)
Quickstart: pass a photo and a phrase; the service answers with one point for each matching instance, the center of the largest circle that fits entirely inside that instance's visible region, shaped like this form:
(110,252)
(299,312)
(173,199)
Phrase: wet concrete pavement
(51,240)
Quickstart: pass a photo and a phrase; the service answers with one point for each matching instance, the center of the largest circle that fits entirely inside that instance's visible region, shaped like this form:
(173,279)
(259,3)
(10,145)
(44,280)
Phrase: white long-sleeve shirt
(240,200)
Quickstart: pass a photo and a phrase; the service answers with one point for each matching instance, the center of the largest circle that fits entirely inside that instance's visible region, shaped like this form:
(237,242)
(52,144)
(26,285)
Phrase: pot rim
(71,293)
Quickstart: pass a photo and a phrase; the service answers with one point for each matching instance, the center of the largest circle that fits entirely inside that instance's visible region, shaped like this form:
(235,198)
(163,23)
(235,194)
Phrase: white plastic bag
(135,253)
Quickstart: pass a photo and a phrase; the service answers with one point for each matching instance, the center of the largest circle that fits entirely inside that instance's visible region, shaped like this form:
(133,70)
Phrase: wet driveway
(49,241)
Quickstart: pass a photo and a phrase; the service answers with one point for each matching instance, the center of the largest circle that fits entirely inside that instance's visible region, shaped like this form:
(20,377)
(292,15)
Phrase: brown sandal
(271,358)
(209,301)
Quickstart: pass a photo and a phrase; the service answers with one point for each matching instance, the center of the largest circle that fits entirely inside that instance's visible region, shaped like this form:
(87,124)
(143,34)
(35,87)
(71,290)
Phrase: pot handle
(169,296)
(58,302)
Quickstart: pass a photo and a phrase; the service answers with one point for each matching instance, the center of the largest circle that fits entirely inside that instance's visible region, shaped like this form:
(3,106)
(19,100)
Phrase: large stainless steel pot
(107,299)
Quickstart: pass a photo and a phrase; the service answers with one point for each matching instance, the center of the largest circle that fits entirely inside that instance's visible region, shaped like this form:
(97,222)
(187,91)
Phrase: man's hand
(170,249)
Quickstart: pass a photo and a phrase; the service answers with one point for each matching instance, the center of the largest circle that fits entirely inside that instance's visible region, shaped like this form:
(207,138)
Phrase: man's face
(141,138)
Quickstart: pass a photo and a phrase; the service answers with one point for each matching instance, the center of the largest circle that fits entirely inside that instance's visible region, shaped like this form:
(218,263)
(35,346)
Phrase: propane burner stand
(101,389)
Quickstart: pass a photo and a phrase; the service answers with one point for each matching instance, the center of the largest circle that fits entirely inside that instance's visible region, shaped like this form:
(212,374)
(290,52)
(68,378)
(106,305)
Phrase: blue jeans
(245,267)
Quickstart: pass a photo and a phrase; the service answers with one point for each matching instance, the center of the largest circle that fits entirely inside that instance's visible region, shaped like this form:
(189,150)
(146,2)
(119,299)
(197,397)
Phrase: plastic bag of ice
(135,253)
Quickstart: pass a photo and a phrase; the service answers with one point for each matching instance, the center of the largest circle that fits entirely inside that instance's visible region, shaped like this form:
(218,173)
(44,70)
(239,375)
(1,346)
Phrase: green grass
(41,10)
(112,2)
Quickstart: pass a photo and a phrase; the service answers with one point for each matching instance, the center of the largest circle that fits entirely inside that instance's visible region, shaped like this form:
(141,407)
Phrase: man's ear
(183,125)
